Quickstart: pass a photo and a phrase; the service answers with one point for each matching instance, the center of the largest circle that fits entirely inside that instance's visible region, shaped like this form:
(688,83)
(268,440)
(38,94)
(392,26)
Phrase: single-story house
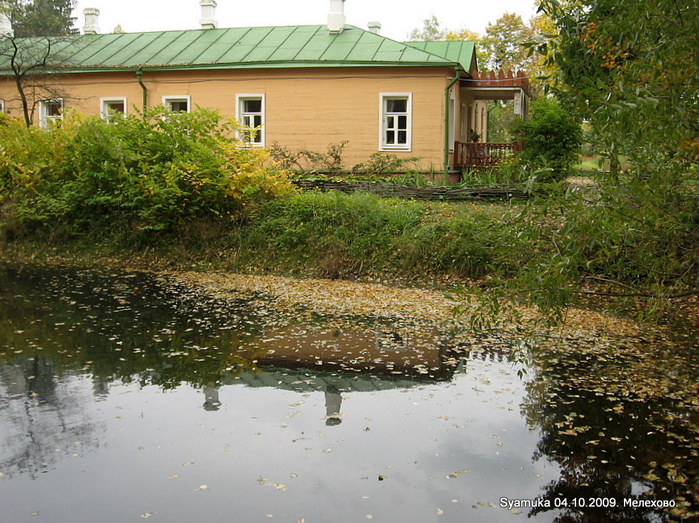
(299,86)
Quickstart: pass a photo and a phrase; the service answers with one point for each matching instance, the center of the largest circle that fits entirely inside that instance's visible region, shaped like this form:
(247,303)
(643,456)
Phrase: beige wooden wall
(308,108)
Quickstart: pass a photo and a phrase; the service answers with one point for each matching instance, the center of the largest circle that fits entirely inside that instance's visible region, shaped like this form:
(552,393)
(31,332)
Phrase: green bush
(145,172)
(383,163)
(552,139)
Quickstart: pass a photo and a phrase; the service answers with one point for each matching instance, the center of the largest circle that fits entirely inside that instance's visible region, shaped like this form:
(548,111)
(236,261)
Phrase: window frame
(104,112)
(44,118)
(177,98)
(240,115)
(383,122)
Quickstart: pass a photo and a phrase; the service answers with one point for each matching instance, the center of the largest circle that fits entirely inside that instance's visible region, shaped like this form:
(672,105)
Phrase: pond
(125,396)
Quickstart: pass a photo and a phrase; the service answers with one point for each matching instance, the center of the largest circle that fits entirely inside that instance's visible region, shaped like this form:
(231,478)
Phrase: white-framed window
(114,107)
(177,104)
(50,112)
(251,115)
(2,106)
(395,121)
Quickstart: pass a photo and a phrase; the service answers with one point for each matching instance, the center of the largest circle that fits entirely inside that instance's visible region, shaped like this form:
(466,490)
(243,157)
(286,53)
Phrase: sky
(397,17)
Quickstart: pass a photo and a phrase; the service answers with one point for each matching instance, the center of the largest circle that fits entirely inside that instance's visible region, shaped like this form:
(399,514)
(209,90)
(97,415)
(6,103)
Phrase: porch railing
(472,154)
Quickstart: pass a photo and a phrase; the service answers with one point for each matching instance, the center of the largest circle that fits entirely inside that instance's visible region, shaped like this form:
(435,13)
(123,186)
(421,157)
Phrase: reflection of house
(299,86)
(376,352)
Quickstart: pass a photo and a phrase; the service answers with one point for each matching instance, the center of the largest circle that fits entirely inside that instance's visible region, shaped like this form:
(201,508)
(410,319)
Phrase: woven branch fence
(416,193)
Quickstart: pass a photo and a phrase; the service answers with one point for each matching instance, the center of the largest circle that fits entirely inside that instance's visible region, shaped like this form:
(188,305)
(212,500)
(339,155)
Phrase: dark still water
(123,397)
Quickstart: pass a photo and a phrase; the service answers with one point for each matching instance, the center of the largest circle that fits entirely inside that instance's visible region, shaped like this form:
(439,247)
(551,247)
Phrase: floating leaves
(601,405)
(277,486)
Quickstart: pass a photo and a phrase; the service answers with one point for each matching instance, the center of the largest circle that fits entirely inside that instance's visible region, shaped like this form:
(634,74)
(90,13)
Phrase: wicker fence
(417,193)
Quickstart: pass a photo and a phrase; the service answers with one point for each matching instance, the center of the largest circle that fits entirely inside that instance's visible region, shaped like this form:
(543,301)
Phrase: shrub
(149,172)
(382,163)
(551,137)
(331,160)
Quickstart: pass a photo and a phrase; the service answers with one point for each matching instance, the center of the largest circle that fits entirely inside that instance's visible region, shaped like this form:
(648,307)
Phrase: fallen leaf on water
(202,487)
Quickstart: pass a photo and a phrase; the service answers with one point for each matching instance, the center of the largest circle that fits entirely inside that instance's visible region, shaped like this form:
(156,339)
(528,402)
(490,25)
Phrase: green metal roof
(461,52)
(245,47)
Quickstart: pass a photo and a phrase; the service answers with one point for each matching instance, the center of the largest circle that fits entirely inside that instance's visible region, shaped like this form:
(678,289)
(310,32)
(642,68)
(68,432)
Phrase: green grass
(321,234)
(339,235)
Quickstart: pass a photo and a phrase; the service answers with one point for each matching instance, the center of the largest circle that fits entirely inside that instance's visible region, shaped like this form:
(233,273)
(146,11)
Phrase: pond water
(127,397)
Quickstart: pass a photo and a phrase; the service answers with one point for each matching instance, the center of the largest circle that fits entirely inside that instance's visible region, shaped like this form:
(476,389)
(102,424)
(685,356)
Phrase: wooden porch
(469,155)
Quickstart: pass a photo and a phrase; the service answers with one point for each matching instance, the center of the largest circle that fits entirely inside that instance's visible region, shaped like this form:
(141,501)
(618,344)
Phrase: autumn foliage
(150,172)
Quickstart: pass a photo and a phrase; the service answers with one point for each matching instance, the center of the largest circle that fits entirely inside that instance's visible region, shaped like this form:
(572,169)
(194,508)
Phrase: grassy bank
(176,190)
(329,235)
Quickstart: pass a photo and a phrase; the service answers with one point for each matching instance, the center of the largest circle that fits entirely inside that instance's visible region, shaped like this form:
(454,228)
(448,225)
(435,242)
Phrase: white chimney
(91,20)
(5,22)
(375,27)
(336,18)
(208,14)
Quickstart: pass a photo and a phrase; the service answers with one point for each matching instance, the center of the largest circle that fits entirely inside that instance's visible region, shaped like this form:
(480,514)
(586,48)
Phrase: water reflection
(60,326)
(43,417)
(621,449)
(333,405)
(211,398)
(70,338)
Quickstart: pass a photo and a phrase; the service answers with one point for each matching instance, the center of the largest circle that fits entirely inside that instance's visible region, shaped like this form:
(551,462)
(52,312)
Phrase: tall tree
(40,27)
(41,17)
(504,41)
(431,30)
(631,67)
